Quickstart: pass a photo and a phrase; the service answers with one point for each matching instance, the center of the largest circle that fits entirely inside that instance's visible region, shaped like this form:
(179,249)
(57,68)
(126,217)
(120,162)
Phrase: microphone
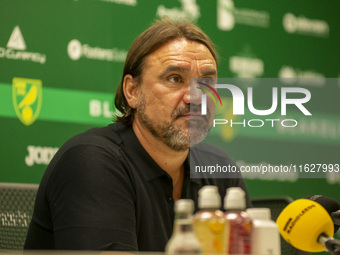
(331,206)
(307,226)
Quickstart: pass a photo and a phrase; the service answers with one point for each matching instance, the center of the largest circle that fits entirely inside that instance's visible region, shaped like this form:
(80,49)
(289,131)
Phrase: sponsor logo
(98,108)
(189,10)
(16,41)
(228,15)
(229,132)
(27,99)
(246,67)
(39,155)
(325,128)
(16,49)
(291,75)
(125,2)
(305,26)
(77,50)
(246,64)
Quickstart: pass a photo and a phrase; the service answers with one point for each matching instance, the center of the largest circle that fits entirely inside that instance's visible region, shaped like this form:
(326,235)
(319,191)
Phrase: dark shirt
(102,190)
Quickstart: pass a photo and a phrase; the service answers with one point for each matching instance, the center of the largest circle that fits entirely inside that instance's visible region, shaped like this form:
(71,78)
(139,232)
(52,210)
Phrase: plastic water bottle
(183,239)
(209,222)
(240,224)
(266,236)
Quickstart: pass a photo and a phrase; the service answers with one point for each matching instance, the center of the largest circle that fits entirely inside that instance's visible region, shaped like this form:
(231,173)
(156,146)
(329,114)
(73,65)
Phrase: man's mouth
(192,115)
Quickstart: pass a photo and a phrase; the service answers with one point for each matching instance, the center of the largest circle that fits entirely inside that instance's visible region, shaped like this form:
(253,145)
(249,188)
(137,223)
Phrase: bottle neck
(182,216)
(183,226)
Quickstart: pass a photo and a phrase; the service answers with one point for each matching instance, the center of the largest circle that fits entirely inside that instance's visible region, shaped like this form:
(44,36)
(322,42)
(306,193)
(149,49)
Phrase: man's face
(165,107)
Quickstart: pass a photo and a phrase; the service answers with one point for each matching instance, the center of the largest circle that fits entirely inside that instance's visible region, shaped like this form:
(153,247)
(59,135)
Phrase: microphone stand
(332,245)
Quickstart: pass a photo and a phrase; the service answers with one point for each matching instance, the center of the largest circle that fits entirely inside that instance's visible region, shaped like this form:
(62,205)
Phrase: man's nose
(192,94)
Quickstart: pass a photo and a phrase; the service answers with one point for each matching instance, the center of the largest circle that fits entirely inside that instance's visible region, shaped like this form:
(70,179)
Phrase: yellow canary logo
(27,99)
(227,132)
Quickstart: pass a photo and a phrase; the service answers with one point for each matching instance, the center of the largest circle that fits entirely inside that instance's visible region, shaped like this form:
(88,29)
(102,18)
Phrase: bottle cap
(259,213)
(184,206)
(235,199)
(208,197)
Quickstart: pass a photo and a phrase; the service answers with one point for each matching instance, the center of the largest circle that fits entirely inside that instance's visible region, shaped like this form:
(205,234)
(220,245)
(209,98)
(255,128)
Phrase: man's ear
(130,88)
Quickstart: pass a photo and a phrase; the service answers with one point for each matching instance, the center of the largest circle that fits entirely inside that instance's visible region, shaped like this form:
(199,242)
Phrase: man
(114,188)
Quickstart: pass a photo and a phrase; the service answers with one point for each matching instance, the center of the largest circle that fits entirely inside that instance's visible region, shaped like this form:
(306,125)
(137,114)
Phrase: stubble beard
(176,138)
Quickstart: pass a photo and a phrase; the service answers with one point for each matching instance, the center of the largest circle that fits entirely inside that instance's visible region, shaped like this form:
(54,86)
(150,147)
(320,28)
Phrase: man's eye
(175,79)
(209,81)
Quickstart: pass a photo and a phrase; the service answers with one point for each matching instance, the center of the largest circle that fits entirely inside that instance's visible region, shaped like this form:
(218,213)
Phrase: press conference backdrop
(61,61)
